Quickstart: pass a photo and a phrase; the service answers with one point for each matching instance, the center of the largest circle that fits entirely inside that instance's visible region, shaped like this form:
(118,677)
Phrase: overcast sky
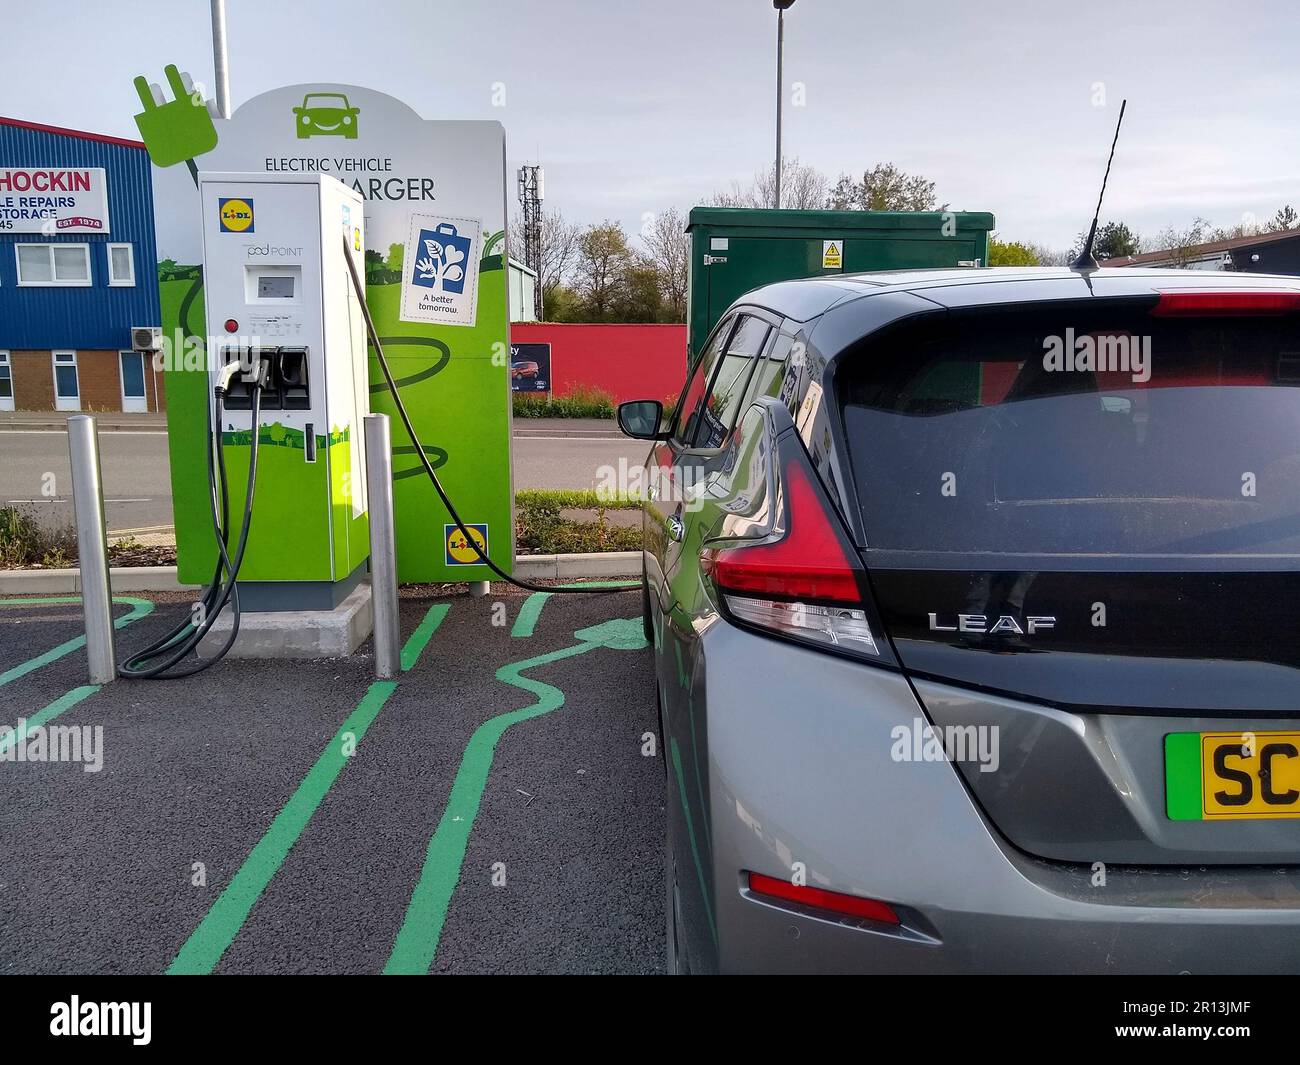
(640,105)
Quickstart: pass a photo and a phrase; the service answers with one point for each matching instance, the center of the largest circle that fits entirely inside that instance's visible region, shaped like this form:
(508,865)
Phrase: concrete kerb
(163,578)
(68,581)
(595,564)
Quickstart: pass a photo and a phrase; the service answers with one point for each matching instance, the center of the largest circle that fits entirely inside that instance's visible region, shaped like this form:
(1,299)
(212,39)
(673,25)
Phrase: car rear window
(1161,437)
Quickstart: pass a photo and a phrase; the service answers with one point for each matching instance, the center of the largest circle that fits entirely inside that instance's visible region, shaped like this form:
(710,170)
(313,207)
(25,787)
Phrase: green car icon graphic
(326,114)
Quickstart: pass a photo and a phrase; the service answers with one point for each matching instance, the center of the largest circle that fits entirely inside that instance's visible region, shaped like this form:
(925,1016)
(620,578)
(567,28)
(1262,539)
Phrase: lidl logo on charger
(236,214)
(459,552)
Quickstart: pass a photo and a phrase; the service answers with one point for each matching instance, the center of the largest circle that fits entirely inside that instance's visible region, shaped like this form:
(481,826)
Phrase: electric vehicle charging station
(280,303)
(284,398)
(445,330)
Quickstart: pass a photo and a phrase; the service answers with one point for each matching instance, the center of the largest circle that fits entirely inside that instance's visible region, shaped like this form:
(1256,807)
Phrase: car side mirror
(640,418)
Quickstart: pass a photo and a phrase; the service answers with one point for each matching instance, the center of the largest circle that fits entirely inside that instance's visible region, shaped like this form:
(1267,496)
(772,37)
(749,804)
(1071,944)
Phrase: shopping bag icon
(442,259)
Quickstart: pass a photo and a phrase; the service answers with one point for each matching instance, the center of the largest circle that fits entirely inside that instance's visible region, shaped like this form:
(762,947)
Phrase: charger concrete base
(296,633)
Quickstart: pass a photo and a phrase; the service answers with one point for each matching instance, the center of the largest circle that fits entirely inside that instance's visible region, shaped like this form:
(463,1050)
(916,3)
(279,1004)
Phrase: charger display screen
(275,286)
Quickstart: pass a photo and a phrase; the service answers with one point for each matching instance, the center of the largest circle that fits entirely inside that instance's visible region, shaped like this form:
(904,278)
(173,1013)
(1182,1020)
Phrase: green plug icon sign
(178,130)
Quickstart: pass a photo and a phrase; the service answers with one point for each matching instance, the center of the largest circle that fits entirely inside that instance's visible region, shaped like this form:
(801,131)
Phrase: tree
(563,305)
(603,257)
(1048,256)
(1286,218)
(639,295)
(803,188)
(559,251)
(394,260)
(559,247)
(1011,253)
(1178,242)
(1114,240)
(883,188)
(668,250)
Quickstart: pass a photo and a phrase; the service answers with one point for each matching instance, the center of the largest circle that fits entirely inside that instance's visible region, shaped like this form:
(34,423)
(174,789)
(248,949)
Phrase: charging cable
(360,290)
(185,637)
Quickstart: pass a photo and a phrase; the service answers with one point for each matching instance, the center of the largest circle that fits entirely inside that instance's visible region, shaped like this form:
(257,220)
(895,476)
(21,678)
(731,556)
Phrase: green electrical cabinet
(735,249)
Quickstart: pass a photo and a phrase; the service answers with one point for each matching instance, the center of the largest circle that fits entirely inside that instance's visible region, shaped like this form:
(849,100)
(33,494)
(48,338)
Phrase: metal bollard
(383,551)
(92,548)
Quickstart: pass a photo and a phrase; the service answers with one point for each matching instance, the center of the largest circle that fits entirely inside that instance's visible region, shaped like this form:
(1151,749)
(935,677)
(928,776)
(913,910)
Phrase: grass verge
(26,544)
(561,521)
(547,522)
(580,402)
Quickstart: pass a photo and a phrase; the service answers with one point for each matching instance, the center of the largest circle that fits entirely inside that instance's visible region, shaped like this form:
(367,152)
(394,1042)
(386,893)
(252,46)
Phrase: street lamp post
(781,7)
(220,58)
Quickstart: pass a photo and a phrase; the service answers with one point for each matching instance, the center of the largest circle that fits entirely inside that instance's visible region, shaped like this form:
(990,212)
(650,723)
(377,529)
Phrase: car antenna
(1086,261)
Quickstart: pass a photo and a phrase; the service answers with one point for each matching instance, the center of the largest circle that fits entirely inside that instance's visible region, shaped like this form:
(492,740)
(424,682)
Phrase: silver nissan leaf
(975,603)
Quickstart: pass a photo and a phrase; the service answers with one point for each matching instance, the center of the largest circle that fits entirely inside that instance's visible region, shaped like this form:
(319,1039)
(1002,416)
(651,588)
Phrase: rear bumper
(805,766)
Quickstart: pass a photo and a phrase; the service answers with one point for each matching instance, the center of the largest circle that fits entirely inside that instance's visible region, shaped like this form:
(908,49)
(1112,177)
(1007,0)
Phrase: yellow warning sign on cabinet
(832,255)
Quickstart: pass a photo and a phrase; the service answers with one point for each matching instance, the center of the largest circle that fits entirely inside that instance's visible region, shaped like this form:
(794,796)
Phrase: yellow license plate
(1224,776)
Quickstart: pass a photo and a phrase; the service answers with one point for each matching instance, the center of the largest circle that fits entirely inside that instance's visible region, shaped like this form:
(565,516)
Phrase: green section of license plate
(1232,776)
(1183,776)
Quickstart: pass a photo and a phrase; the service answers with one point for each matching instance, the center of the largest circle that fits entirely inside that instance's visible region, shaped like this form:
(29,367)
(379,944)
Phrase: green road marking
(420,637)
(222,923)
(139,608)
(48,713)
(219,927)
(417,941)
(1183,776)
(690,831)
(526,622)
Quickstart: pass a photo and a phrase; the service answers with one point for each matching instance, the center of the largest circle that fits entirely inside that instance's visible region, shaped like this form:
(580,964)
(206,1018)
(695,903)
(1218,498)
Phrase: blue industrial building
(77,271)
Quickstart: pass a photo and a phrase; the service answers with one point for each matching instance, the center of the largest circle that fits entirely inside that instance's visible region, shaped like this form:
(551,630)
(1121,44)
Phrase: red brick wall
(99,377)
(33,380)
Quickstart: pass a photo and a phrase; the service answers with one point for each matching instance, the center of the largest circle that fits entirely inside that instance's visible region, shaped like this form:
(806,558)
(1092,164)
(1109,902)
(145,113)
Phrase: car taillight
(1224,304)
(808,584)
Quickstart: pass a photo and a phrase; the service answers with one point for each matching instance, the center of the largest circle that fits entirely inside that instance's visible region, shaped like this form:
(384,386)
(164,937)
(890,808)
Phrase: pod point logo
(236,214)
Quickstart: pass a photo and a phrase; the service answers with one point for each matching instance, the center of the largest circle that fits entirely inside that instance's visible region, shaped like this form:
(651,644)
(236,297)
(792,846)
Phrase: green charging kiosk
(424,209)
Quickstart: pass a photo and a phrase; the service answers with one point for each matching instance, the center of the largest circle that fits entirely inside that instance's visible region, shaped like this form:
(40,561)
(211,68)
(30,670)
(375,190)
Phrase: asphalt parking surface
(489,811)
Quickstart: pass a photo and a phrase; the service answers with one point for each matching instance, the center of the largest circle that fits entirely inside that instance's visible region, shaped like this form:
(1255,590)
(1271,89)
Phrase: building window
(6,382)
(53,264)
(67,388)
(121,265)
